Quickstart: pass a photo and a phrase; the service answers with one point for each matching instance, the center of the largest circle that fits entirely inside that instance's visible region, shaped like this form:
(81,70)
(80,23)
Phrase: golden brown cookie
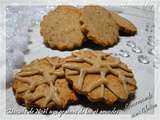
(42,84)
(61,28)
(99,76)
(126,27)
(98,25)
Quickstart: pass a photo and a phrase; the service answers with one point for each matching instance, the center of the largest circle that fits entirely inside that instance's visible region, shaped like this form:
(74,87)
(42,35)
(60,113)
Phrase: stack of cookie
(68,27)
(54,82)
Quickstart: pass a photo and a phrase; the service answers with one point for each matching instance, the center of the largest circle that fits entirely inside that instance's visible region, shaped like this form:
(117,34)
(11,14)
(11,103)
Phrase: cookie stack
(54,82)
(68,27)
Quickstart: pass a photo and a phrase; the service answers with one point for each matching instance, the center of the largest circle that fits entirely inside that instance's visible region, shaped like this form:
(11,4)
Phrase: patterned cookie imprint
(42,84)
(99,76)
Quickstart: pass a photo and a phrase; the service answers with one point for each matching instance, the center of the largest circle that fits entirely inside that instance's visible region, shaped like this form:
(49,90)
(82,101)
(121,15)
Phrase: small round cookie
(42,84)
(99,76)
(61,28)
(98,25)
(126,27)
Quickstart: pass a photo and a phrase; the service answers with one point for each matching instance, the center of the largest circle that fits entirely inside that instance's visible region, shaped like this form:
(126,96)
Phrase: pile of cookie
(54,82)
(67,27)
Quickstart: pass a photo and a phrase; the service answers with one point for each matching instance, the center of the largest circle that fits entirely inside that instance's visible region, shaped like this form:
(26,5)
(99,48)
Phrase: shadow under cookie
(91,45)
(124,34)
(85,103)
(99,106)
(86,44)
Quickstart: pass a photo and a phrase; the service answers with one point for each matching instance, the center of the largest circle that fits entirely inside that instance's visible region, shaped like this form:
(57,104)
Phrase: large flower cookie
(42,84)
(99,76)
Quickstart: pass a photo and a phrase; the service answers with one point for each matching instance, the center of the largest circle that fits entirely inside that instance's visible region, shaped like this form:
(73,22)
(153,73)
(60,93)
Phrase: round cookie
(126,27)
(98,25)
(61,28)
(99,76)
(42,84)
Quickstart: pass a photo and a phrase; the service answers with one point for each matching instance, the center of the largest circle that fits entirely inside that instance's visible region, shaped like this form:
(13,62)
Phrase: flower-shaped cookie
(42,84)
(99,76)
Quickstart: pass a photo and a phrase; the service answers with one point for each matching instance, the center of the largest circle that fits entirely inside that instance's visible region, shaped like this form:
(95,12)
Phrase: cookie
(99,76)
(98,25)
(42,84)
(126,27)
(61,28)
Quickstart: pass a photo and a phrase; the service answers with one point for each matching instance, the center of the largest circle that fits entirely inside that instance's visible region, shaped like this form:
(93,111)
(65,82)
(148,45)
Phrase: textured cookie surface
(99,76)
(61,28)
(99,26)
(126,27)
(42,84)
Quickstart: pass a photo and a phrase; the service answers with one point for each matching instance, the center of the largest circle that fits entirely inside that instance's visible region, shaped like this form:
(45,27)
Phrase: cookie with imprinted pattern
(99,76)
(42,84)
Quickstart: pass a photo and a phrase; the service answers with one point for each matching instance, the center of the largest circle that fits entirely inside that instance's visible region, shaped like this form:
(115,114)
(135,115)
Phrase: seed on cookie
(61,28)
(99,76)
(42,84)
